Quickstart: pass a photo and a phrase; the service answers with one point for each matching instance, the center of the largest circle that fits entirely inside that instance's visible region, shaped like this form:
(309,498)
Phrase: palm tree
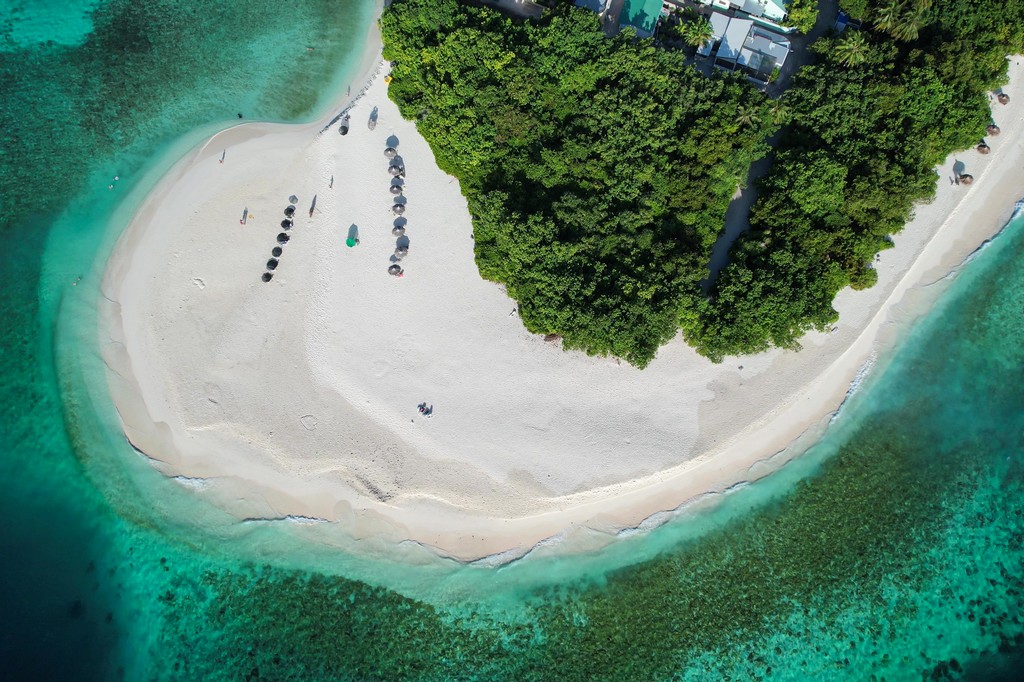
(747,116)
(852,50)
(888,16)
(779,111)
(908,28)
(697,32)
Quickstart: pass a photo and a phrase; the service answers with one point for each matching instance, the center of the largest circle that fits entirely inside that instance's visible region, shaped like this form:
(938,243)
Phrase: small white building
(732,41)
(740,43)
(772,10)
(764,51)
(719,24)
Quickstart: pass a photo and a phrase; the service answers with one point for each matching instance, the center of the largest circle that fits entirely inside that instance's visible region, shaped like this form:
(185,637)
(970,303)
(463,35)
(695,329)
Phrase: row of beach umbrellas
(396,169)
(983,148)
(282,238)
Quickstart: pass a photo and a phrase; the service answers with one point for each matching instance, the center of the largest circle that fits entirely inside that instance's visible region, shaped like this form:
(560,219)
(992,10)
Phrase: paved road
(828,10)
(610,19)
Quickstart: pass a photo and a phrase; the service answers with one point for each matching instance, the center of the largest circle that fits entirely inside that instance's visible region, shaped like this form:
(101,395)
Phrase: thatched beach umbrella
(965,179)
(272,264)
(993,129)
(398,209)
(401,252)
(395,171)
(1003,98)
(391,152)
(282,238)
(277,251)
(287,223)
(396,190)
(395,270)
(293,199)
(267,276)
(398,231)
(984,148)
(289,212)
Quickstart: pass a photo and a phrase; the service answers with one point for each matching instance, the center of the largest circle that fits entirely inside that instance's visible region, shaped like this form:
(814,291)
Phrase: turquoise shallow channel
(893,549)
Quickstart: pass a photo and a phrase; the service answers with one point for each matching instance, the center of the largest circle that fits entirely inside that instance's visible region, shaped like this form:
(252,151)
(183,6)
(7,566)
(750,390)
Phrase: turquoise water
(93,90)
(893,548)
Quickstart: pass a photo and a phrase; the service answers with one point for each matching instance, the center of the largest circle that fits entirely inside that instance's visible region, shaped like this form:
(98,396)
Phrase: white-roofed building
(772,10)
(719,24)
(763,51)
(735,35)
(740,43)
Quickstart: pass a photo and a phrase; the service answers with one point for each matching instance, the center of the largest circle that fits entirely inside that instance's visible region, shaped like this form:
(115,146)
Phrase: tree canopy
(801,14)
(860,149)
(597,171)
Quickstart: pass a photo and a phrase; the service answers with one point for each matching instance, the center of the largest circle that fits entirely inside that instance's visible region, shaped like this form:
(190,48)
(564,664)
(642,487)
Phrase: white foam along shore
(297,398)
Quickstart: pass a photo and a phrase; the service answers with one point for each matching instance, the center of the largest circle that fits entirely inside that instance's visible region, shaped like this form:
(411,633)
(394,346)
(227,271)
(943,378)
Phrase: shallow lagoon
(893,548)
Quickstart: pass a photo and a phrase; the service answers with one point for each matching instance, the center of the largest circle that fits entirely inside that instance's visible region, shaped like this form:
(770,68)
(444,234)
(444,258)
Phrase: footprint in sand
(308,422)
(199,282)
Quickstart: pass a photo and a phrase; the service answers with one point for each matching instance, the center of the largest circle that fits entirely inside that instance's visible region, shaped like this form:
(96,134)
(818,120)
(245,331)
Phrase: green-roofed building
(641,15)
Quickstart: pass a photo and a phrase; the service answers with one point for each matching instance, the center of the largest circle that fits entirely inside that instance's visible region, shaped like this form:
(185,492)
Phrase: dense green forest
(867,124)
(597,170)
(801,14)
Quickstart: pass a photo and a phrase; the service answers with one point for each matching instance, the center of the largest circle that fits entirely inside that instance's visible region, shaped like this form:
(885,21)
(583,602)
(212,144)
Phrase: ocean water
(90,91)
(893,549)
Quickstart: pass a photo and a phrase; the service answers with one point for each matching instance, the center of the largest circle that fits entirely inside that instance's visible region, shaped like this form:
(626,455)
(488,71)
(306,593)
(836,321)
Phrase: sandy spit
(298,397)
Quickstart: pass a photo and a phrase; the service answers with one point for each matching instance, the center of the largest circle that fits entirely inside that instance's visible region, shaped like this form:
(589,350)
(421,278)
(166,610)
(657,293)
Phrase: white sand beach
(299,396)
